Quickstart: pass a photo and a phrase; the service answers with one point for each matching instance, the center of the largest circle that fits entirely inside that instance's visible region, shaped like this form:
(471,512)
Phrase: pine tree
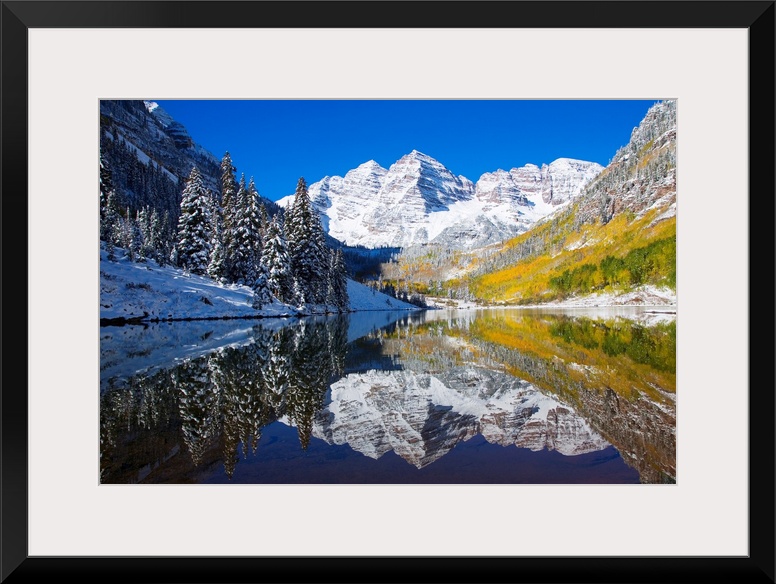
(234,256)
(257,220)
(263,220)
(331,300)
(129,236)
(246,240)
(299,295)
(229,197)
(106,188)
(216,268)
(309,257)
(262,294)
(338,284)
(194,226)
(323,260)
(228,181)
(110,224)
(165,238)
(278,263)
(143,234)
(157,242)
(291,223)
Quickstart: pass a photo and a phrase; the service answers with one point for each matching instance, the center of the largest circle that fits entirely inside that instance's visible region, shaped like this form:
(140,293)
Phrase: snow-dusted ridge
(418,200)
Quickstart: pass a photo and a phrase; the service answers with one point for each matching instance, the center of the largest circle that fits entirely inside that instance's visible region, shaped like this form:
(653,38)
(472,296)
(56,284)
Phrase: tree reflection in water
(221,401)
(417,387)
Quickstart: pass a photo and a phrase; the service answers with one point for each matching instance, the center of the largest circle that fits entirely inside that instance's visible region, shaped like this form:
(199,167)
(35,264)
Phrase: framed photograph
(100,484)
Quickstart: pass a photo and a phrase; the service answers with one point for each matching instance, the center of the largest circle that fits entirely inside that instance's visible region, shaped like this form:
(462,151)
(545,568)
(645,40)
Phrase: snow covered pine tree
(194,226)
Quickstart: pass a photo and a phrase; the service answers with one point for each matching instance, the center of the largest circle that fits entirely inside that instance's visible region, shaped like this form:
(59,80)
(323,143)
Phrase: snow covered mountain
(418,200)
(149,155)
(154,135)
(642,174)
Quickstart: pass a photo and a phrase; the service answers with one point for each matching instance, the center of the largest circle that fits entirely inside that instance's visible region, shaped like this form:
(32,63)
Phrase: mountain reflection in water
(482,396)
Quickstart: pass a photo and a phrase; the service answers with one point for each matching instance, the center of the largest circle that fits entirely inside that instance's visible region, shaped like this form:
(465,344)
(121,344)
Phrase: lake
(486,396)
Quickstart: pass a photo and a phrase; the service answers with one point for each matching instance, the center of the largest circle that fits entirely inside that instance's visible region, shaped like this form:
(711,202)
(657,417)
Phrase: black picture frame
(755,16)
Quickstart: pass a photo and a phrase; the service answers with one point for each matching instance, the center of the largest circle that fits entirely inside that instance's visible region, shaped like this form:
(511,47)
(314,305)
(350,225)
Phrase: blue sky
(277,141)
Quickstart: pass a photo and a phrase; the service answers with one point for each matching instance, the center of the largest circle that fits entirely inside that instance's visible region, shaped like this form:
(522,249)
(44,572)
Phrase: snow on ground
(642,296)
(145,290)
(364,298)
(434,302)
(645,296)
(131,290)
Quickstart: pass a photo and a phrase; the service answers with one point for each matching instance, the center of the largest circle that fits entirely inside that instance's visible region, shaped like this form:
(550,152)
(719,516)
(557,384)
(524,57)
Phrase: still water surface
(444,397)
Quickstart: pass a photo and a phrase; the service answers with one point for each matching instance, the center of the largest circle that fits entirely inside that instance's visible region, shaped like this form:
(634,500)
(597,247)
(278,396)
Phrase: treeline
(365,263)
(547,237)
(138,185)
(230,237)
(654,263)
(421,270)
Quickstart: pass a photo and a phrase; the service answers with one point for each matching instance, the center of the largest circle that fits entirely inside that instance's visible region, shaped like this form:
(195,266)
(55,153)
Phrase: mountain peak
(421,163)
(564,160)
(572,162)
(159,113)
(418,155)
(371,165)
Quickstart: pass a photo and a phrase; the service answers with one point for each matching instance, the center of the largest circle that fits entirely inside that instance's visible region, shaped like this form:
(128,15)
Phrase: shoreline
(145,321)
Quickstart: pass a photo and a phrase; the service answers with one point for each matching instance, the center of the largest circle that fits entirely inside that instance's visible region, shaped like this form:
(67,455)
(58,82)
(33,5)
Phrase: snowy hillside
(145,291)
(155,136)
